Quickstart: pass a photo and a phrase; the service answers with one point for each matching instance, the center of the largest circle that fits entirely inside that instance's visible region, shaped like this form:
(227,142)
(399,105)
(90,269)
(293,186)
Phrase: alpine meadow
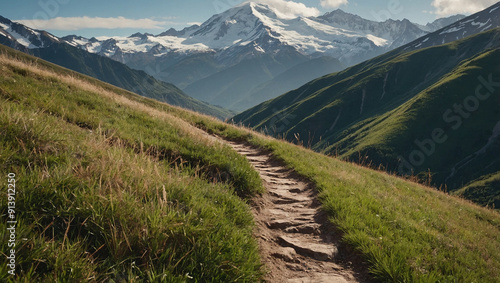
(257,146)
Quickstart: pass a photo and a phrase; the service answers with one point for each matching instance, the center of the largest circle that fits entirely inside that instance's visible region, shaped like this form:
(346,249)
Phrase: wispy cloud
(290,9)
(78,23)
(451,7)
(333,3)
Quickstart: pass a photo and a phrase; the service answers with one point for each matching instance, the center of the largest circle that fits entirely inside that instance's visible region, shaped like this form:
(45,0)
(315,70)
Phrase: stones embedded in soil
(293,245)
(309,247)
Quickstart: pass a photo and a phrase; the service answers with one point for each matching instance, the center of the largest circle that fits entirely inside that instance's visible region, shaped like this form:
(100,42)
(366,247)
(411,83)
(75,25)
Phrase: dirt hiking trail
(296,242)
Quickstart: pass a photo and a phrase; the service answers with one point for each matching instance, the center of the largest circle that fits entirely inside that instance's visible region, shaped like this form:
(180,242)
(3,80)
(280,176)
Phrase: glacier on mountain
(337,34)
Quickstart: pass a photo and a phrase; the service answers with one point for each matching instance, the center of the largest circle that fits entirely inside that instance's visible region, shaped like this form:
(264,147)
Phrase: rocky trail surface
(296,242)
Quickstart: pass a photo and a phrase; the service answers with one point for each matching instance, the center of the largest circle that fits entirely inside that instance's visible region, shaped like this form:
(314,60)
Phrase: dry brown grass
(79,83)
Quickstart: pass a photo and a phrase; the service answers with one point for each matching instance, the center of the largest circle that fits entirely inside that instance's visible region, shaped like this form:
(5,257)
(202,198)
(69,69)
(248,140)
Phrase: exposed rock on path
(295,242)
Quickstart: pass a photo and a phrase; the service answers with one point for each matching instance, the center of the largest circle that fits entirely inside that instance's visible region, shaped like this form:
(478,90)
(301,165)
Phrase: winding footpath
(295,241)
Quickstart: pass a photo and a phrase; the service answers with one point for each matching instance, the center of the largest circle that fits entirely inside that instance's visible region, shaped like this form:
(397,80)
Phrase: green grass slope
(408,112)
(403,231)
(111,187)
(484,191)
(120,75)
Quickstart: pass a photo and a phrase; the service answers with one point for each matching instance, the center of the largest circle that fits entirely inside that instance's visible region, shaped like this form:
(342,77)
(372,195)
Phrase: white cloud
(290,9)
(333,3)
(78,23)
(452,7)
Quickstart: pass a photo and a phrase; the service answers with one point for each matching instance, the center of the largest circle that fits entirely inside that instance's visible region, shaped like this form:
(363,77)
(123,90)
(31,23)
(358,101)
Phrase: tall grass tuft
(111,189)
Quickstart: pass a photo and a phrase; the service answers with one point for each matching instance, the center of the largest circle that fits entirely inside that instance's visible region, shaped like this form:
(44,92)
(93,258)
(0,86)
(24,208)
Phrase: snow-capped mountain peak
(259,25)
(231,53)
(240,25)
(17,35)
(252,28)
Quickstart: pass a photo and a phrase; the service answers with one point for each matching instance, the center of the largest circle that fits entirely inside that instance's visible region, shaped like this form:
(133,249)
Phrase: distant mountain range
(414,110)
(230,58)
(251,29)
(48,47)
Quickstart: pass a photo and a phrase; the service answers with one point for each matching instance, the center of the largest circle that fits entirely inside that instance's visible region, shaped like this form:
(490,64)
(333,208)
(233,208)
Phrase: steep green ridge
(484,191)
(404,232)
(111,187)
(120,75)
(402,111)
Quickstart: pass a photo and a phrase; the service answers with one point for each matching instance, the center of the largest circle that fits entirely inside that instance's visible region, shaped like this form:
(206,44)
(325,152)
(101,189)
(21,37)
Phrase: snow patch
(94,48)
(52,37)
(259,49)
(377,40)
(486,28)
(19,38)
(480,24)
(4,26)
(451,30)
(80,41)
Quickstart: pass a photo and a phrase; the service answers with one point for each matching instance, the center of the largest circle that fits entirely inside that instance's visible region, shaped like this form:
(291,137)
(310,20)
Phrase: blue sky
(124,17)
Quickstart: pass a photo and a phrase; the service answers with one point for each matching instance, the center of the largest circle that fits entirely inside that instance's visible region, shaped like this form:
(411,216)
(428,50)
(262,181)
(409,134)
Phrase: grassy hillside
(405,232)
(110,188)
(408,112)
(120,75)
(114,186)
(484,191)
(110,71)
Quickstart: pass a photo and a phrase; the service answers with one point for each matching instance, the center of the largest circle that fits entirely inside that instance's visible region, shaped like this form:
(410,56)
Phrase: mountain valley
(216,60)
(403,111)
